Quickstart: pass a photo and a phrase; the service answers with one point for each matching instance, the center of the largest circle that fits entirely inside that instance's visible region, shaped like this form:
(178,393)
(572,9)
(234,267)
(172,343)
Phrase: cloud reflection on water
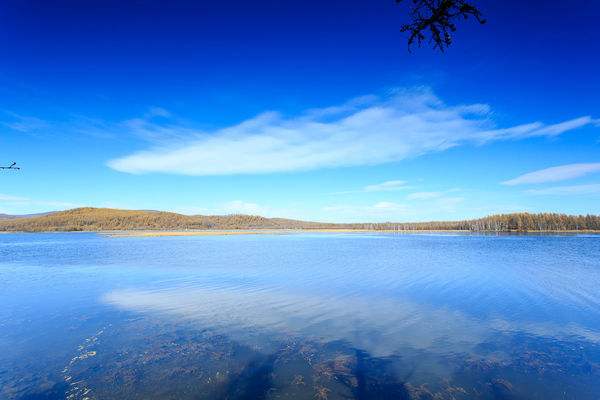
(378,325)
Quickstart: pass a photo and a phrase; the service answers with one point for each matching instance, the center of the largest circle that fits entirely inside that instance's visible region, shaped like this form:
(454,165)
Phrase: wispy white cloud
(12,199)
(555,174)
(23,123)
(448,204)
(349,106)
(158,112)
(418,206)
(385,209)
(243,207)
(372,131)
(571,190)
(167,135)
(424,195)
(388,186)
(388,206)
(438,201)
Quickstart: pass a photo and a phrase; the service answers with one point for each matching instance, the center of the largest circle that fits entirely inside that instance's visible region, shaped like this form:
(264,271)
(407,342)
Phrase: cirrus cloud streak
(555,174)
(406,124)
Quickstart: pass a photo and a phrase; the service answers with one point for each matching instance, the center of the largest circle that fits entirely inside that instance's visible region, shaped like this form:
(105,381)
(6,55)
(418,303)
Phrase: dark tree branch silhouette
(437,20)
(11,166)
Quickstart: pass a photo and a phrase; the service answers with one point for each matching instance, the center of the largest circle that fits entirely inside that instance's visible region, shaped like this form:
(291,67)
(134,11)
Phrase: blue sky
(310,110)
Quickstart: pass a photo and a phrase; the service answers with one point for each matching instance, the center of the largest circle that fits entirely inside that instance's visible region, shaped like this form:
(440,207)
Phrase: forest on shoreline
(105,219)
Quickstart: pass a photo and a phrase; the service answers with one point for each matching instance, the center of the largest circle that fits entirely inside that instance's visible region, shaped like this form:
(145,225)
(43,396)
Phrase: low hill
(100,219)
(105,219)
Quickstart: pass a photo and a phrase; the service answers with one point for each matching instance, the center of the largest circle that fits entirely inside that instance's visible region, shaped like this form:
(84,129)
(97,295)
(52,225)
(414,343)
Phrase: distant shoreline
(303,231)
(238,232)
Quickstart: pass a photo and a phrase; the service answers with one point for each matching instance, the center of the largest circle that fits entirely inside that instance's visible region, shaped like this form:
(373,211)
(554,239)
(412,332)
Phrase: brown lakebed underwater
(304,316)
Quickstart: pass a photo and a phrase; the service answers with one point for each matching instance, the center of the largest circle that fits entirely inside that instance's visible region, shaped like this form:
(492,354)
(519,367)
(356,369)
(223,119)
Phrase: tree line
(104,219)
(515,222)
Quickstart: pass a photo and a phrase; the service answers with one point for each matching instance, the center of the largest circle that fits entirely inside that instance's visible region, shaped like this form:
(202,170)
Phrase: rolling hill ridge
(107,219)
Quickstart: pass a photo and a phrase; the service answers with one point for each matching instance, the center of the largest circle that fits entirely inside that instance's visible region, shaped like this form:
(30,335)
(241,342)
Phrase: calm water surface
(319,316)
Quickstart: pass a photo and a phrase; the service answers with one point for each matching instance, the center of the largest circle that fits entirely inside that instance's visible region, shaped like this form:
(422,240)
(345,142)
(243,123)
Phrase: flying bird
(11,166)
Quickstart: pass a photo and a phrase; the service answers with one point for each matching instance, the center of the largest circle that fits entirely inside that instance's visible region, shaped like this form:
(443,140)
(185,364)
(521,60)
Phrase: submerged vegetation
(204,364)
(104,219)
